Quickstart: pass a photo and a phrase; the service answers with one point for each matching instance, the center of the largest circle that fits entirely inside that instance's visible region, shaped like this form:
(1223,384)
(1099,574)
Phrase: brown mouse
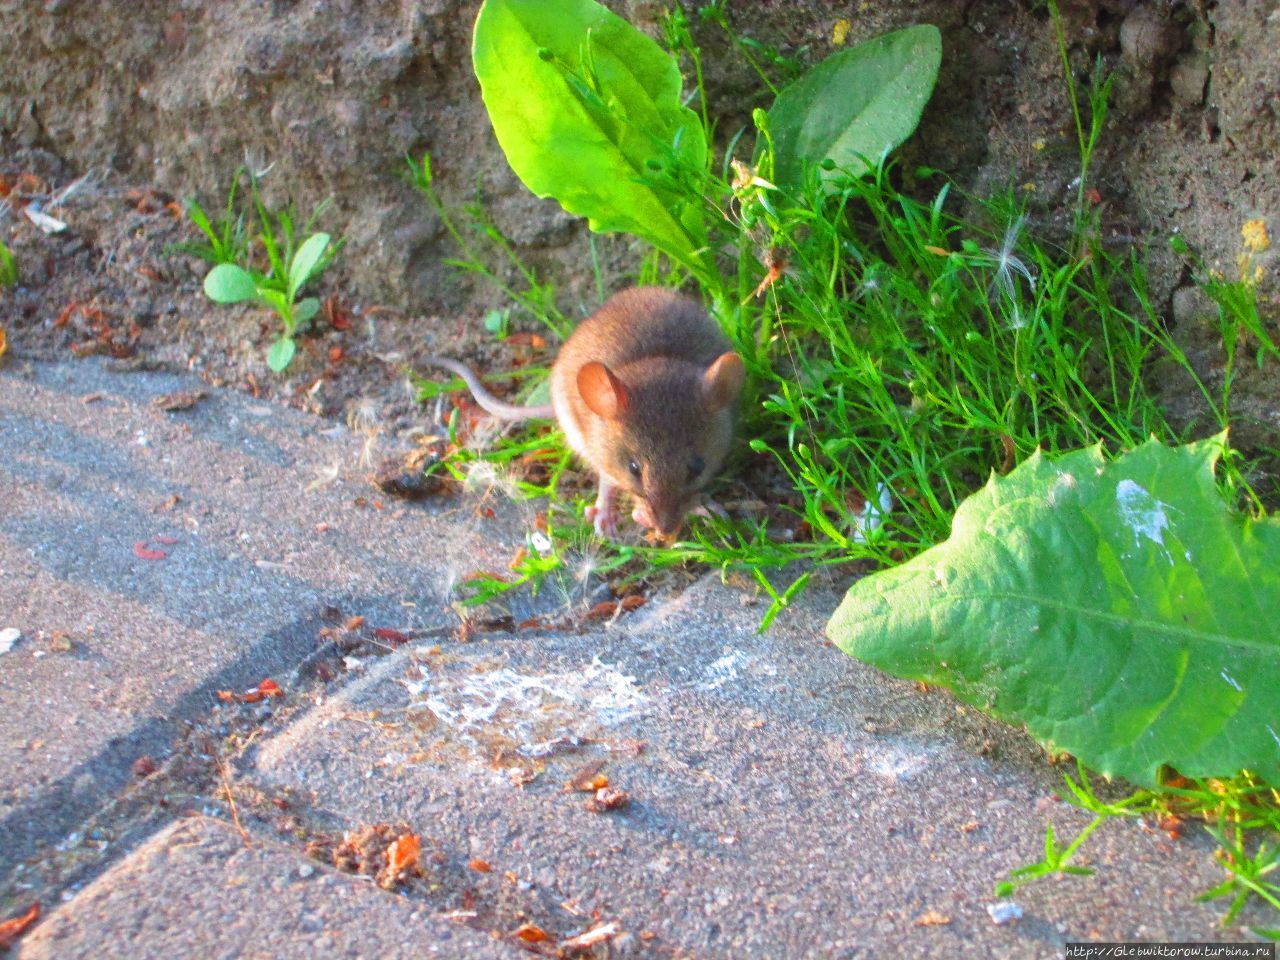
(645,390)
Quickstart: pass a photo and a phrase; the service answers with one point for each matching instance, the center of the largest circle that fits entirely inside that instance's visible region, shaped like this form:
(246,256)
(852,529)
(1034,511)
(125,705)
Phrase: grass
(1241,814)
(225,241)
(907,349)
(895,345)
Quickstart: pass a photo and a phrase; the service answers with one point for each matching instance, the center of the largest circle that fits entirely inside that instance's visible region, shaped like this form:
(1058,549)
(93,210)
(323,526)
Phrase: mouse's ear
(604,393)
(722,381)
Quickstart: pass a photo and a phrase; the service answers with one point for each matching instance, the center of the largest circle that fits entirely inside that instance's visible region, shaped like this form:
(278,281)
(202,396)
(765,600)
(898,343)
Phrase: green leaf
(587,110)
(854,106)
(305,310)
(1118,609)
(305,260)
(281,353)
(227,283)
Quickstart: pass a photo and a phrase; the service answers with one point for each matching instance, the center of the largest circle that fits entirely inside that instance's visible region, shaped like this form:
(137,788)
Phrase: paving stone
(196,890)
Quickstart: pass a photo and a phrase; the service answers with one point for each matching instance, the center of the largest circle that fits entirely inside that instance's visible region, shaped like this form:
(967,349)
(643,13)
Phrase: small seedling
(1056,860)
(230,283)
(239,275)
(498,323)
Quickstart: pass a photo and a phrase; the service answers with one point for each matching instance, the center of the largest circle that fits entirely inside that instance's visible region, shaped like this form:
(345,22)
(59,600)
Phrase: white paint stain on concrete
(529,708)
(722,671)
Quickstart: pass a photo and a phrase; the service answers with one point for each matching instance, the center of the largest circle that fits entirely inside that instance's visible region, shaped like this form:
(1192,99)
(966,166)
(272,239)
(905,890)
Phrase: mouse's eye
(634,466)
(696,466)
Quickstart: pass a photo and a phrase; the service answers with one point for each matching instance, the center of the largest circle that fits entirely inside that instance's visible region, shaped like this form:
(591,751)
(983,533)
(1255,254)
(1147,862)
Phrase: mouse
(646,392)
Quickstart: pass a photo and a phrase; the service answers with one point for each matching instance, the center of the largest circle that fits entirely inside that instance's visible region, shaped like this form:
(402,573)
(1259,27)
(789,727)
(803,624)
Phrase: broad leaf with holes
(1118,609)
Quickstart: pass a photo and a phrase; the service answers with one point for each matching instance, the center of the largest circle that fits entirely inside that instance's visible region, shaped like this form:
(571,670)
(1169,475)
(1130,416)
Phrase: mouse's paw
(605,511)
(606,521)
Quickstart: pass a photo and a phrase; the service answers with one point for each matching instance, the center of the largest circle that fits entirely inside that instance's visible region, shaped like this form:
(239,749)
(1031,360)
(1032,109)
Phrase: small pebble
(1005,911)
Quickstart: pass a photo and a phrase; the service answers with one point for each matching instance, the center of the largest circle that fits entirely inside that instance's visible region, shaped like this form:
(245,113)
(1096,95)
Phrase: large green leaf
(858,103)
(1118,609)
(588,111)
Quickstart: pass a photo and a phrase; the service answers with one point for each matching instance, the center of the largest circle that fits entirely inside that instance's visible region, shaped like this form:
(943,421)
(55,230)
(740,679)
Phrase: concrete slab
(785,801)
(256,510)
(196,890)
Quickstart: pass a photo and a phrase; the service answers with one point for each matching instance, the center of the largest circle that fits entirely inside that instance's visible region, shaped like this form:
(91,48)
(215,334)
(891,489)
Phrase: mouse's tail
(496,407)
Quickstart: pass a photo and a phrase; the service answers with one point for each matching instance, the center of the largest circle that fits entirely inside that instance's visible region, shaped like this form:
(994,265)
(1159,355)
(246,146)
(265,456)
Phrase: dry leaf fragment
(485,575)
(403,852)
(531,933)
(144,767)
(602,610)
(4,342)
(608,798)
(399,480)
(523,338)
(60,642)
(593,937)
(1171,824)
(480,866)
(338,318)
(932,918)
(178,400)
(267,688)
(143,552)
(588,779)
(15,927)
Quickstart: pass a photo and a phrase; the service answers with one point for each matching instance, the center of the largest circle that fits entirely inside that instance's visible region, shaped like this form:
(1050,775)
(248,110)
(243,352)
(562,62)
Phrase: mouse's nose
(668,533)
(664,519)
(667,523)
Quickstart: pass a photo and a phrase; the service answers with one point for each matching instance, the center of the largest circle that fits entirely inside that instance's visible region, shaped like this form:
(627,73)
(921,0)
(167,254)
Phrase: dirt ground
(111,120)
(113,284)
